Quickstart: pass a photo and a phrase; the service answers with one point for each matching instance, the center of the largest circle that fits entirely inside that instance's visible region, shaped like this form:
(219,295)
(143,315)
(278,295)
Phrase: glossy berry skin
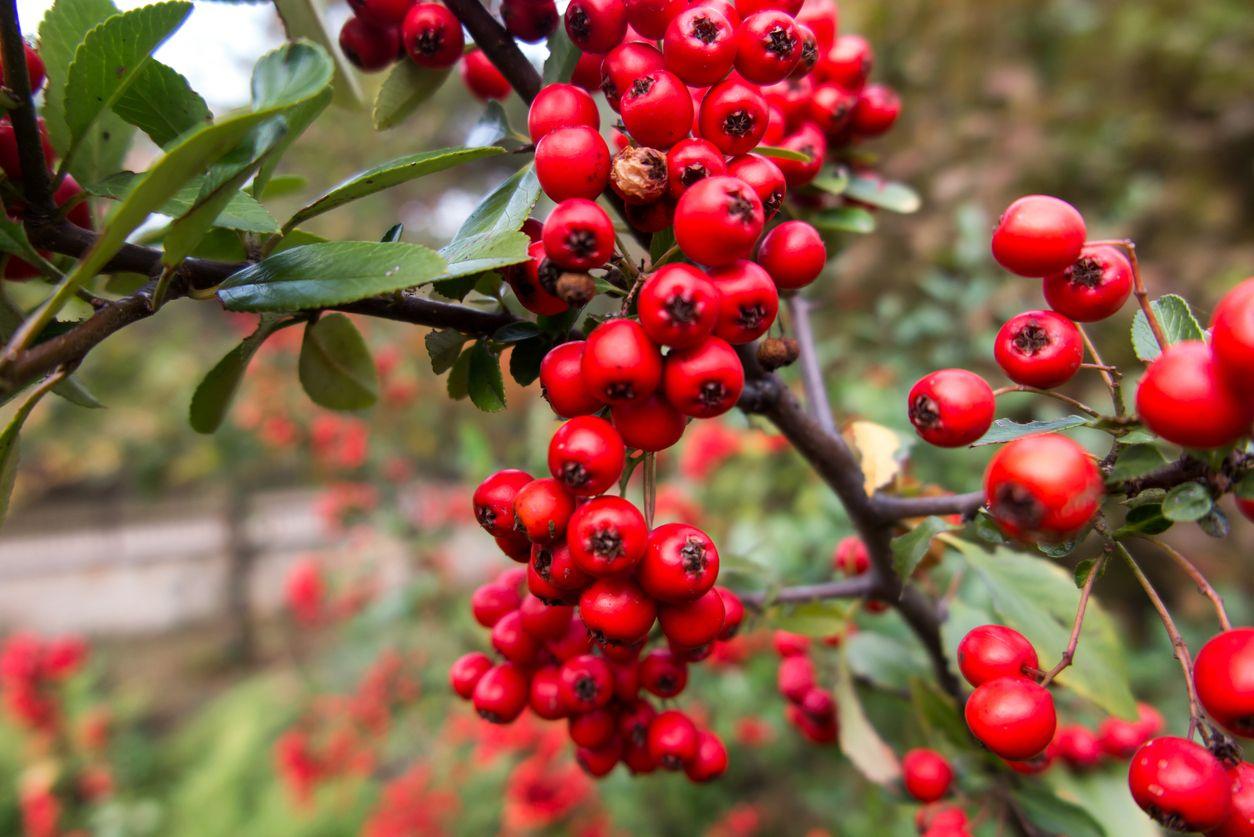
(512,642)
(795,677)
(822,18)
(993,651)
(680,563)
(599,761)
(620,363)
(1042,488)
(748,302)
(482,78)
(596,25)
(1120,738)
(705,380)
(11,162)
(1078,746)
(1012,716)
(1224,673)
(718,220)
(768,46)
(370,48)
(851,557)
(541,509)
(561,106)
(1240,819)
(572,163)
(652,17)
(586,454)
(927,774)
(616,611)
(678,306)
(381,12)
(689,161)
(623,65)
(1232,338)
(553,576)
(501,694)
(1039,349)
(516,546)
(607,535)
(694,623)
(561,381)
(657,109)
(848,63)
(764,178)
(494,500)
(529,20)
(663,673)
(525,281)
(586,683)
(1183,384)
(544,694)
(733,116)
(592,729)
(465,672)
(951,408)
(544,621)
(1038,235)
(1180,784)
(432,36)
(36,73)
(699,46)
(492,602)
(673,739)
(578,235)
(710,761)
(733,613)
(807,140)
(876,111)
(793,254)
(832,107)
(650,425)
(1092,288)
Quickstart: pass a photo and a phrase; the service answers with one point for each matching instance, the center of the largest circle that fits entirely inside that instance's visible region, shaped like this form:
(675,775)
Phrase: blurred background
(260,622)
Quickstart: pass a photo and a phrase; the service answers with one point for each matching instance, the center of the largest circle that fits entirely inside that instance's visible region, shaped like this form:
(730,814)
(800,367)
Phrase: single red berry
(1120,738)
(11,162)
(807,140)
(792,97)
(368,46)
(586,454)
(733,116)
(851,556)
(544,621)
(748,301)
(576,641)
(626,680)
(877,109)
(650,217)
(1094,287)
(1183,383)
(795,676)
(1232,338)
(586,683)
(832,107)
(663,673)
(1042,488)
(513,642)
(814,730)
(541,509)
(623,65)
(1039,349)
(620,363)
(651,17)
(822,18)
(616,611)
(951,408)
(694,623)
(726,8)
(691,160)
(572,162)
(561,106)
(691,654)
(531,21)
(710,761)
(1224,674)
(545,695)
(562,579)
(561,381)
(1012,716)
(578,235)
(598,762)
(657,109)
(465,672)
(700,46)
(592,729)
(587,73)
(35,70)
(927,774)
(491,602)
(501,694)
(596,25)
(733,613)
(1180,784)
(705,380)
(607,535)
(627,653)
(718,220)
(678,306)
(749,7)
(1038,235)
(528,281)
(764,178)
(776,126)
(848,63)
(432,36)
(80,213)
(482,78)
(635,747)
(793,254)
(941,820)
(650,425)
(680,563)
(381,12)
(1078,746)
(673,739)
(1240,819)
(768,46)
(992,651)
(494,500)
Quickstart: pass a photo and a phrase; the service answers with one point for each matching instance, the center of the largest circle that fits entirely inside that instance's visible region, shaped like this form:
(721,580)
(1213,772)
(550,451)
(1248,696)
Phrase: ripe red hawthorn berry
(831,107)
(1012,716)
(432,36)
(368,46)
(586,683)
(599,761)
(657,109)
(764,178)
(690,160)
(792,97)
(718,220)
(793,254)
(822,18)
(465,672)
(544,621)
(381,12)
(482,78)
(80,213)
(529,20)
(10,161)
(528,280)
(663,673)
(748,301)
(680,563)
(572,163)
(587,72)
(776,125)
(494,500)
(733,613)
(795,676)
(650,217)
(616,611)
(851,557)
(951,408)
(1232,338)
(807,140)
(541,509)
(1183,384)
(626,680)
(650,425)
(1120,738)
(578,235)
(513,642)
(623,65)
(815,730)
(1092,288)
(678,306)
(501,694)
(1180,784)
(553,576)
(768,46)
(927,774)
(651,17)
(492,601)
(992,651)
(596,25)
(1224,673)
(710,761)
(1038,235)
(561,106)
(673,739)
(1039,349)
(620,363)
(1240,819)
(35,70)
(705,380)
(586,454)
(576,641)
(1042,488)
(545,694)
(1078,746)
(941,821)
(877,109)
(699,46)
(607,535)
(592,729)
(561,381)
(848,63)
(694,623)
(733,116)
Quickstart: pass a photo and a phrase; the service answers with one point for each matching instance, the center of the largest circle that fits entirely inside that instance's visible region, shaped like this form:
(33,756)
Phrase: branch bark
(499,46)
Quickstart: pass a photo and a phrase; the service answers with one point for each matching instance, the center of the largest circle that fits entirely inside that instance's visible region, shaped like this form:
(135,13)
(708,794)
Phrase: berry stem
(1110,374)
(1204,587)
(1138,287)
(650,488)
(1085,593)
(811,371)
(1057,396)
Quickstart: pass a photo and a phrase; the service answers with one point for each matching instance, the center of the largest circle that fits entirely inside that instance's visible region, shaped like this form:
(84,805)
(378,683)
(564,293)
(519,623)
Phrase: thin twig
(1138,287)
(1069,654)
(1049,393)
(858,587)
(1110,374)
(1203,586)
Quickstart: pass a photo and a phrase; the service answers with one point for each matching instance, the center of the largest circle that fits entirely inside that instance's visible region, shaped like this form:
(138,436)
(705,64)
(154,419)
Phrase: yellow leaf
(879,451)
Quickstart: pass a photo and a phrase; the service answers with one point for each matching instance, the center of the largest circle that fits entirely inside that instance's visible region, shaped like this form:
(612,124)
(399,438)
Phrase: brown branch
(499,46)
(811,372)
(36,185)
(1203,586)
(858,587)
(891,507)
(1138,288)
(1049,393)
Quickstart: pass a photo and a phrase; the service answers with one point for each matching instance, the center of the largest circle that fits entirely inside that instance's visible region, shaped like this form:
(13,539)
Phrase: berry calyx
(733,116)
(596,25)
(1039,349)
(578,235)
(1092,288)
(432,36)
(680,563)
(748,301)
(768,46)
(691,160)
(607,536)
(764,178)
(586,455)
(678,306)
(951,408)
(663,673)
(620,363)
(657,109)
(699,46)
(587,683)
(717,221)
(705,380)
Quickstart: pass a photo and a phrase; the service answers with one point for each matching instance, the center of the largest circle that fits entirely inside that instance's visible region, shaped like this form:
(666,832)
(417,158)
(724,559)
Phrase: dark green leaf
(455,289)
(214,394)
(162,104)
(815,619)
(1055,816)
(844,219)
(443,347)
(859,741)
(459,377)
(1005,430)
(1137,460)
(492,127)
(1060,549)
(986,528)
(782,153)
(1144,520)
(13,240)
(1175,317)
(524,360)
(659,245)
(298,118)
(938,714)
(896,197)
(563,55)
(1187,502)
(516,332)
(505,208)
(336,368)
(909,549)
(485,384)
(393,234)
(406,87)
(1083,570)
(1148,497)
(484,252)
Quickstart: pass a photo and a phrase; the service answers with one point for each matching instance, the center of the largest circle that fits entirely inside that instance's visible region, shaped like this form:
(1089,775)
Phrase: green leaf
(659,245)
(324,275)
(816,619)
(563,56)
(213,396)
(1083,570)
(459,377)
(303,19)
(406,87)
(1187,502)
(1136,460)
(1005,430)
(782,153)
(484,252)
(242,212)
(844,219)
(936,712)
(13,240)
(1053,815)
(506,207)
(886,661)
(909,549)
(1175,317)
(1245,488)
(336,368)
(895,197)
(492,127)
(289,75)
(525,358)
(485,384)
(834,182)
(162,104)
(986,528)
(283,186)
(859,741)
(11,318)
(389,174)
(1147,519)
(516,332)
(443,347)
(9,449)
(1104,794)
(63,28)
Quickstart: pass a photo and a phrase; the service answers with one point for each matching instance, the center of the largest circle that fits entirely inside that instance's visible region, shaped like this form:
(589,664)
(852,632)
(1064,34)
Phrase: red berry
(1232,338)
(586,454)
(1094,287)
(691,160)
(699,46)
(529,20)
(529,279)
(541,509)
(620,363)
(482,78)
(941,821)
(851,556)
(848,63)
(814,730)
(650,217)
(1180,784)
(733,116)
(673,739)
(432,35)
(768,46)
(561,381)
(381,12)
(657,109)
(1120,738)
(596,25)
(494,500)
(1012,716)
(1185,382)
(651,17)
(544,621)
(607,535)
(1042,488)
(556,575)
(11,163)
(1224,673)
(1039,349)
(795,677)
(501,694)
(576,641)
(748,7)
(733,613)
(561,106)
(651,425)
(678,306)
(764,178)
(680,563)
(626,680)
(368,46)
(616,611)
(1240,819)
(992,651)
(35,71)
(587,73)
(586,683)
(572,163)
(600,761)
(793,254)
(832,107)
(694,623)
(705,380)
(807,140)
(718,220)
(710,761)
(877,109)
(623,65)
(951,408)
(465,672)
(1078,747)
(544,694)
(663,673)
(513,642)
(821,18)
(1038,235)
(491,602)
(592,729)
(578,235)
(748,301)
(927,774)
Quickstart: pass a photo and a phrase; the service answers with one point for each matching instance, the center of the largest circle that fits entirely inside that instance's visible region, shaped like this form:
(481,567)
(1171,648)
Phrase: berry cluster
(811,709)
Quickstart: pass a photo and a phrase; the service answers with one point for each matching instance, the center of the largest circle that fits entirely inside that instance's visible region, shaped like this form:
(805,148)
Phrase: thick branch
(36,185)
(811,371)
(858,587)
(499,46)
(891,507)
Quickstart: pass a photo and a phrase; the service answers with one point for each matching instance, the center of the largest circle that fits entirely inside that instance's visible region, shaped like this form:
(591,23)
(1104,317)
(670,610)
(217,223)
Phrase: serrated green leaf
(242,212)
(324,275)
(895,197)
(303,19)
(909,549)
(1053,815)
(844,219)
(563,56)
(782,153)
(1177,321)
(1137,460)
(63,28)
(484,383)
(1005,430)
(443,347)
(506,207)
(484,252)
(1187,502)
(336,369)
(459,377)
(859,741)
(525,358)
(162,104)
(283,186)
(406,87)
(213,396)
(491,128)
(815,619)
(1146,519)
